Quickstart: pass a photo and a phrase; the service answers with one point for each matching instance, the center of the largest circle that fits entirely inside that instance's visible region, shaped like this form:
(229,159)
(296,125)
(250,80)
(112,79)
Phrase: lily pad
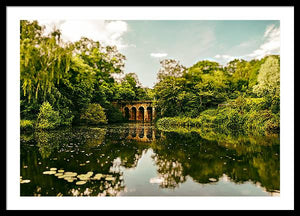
(98,176)
(70,174)
(25,181)
(49,172)
(58,174)
(69,178)
(80,182)
(60,171)
(53,169)
(109,178)
(83,177)
(89,174)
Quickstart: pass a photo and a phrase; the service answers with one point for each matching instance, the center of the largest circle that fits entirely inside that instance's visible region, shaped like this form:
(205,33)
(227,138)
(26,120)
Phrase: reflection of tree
(240,158)
(99,188)
(79,150)
(196,156)
(46,142)
(129,153)
(26,137)
(177,155)
(268,171)
(170,172)
(96,138)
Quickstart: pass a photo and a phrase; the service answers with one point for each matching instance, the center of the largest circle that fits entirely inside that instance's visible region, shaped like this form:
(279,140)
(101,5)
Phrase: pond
(138,159)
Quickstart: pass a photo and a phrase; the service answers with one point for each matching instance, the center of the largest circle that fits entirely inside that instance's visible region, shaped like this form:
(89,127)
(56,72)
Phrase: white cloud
(158,55)
(271,44)
(156,180)
(268,30)
(107,32)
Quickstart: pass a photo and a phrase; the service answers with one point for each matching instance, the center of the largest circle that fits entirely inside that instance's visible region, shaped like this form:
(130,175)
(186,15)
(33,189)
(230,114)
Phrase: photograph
(120,108)
(114,102)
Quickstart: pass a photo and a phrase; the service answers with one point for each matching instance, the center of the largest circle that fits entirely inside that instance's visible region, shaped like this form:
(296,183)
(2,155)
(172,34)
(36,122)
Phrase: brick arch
(140,114)
(149,112)
(135,111)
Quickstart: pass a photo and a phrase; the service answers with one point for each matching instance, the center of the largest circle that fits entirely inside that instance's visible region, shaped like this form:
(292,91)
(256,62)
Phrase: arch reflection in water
(142,133)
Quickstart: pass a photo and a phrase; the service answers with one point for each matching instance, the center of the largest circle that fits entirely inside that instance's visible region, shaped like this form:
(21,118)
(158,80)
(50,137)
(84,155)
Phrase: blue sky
(146,42)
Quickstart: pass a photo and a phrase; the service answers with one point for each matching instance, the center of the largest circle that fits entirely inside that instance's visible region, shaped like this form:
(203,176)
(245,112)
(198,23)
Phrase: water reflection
(141,132)
(203,160)
(177,156)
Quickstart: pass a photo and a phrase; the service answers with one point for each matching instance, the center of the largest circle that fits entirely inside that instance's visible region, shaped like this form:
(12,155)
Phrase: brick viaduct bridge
(143,111)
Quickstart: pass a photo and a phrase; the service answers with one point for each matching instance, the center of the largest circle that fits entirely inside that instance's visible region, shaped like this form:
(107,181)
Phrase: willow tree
(44,59)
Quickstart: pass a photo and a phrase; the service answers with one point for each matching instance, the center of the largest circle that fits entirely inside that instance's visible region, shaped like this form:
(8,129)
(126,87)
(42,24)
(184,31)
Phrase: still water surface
(140,160)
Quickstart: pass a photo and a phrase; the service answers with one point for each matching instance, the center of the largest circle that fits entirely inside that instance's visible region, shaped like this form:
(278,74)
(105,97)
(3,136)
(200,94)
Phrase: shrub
(94,115)
(255,104)
(47,117)
(235,120)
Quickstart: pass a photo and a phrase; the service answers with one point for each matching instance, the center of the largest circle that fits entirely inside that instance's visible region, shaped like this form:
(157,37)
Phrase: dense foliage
(70,77)
(242,96)
(61,83)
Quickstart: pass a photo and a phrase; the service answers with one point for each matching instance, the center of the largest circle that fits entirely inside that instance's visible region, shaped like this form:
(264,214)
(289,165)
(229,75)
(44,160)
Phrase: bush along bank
(247,115)
(48,118)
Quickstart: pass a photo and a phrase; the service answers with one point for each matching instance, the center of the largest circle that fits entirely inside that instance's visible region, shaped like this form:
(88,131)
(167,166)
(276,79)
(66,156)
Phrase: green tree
(269,78)
(212,89)
(47,117)
(170,67)
(94,115)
